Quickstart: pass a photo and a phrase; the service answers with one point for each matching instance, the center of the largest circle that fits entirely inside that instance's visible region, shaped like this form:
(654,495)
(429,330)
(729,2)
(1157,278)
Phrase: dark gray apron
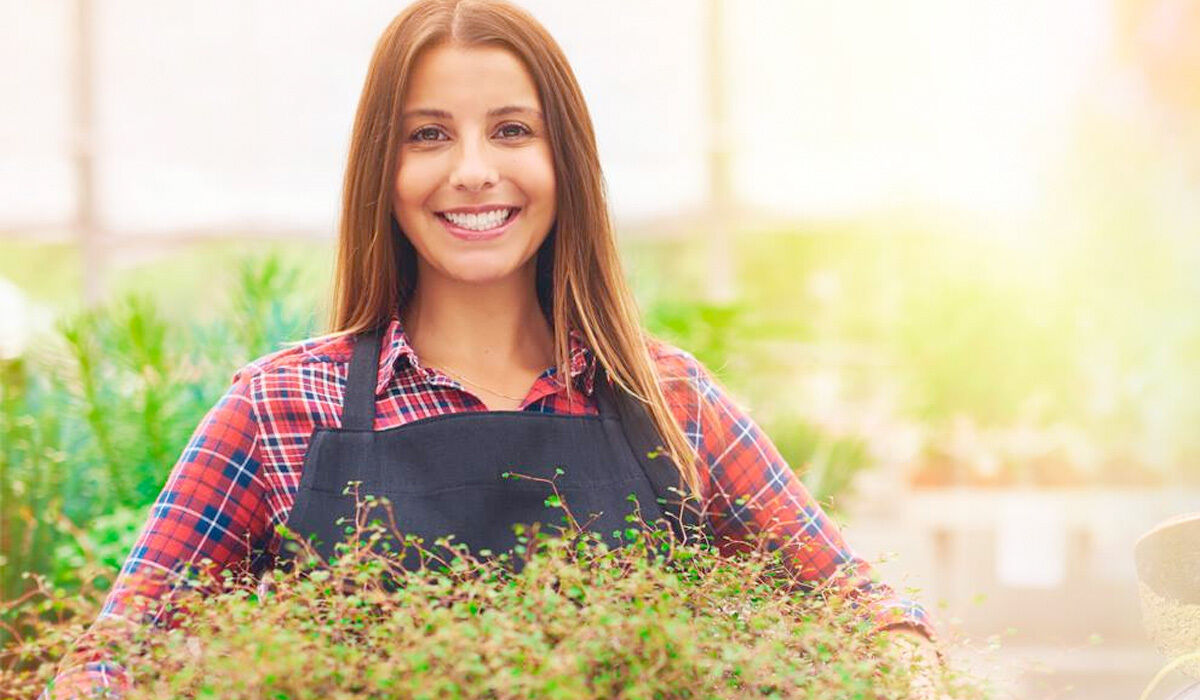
(442,474)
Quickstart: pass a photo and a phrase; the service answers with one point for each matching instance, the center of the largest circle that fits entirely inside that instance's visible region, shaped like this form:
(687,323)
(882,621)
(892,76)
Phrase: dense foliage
(655,618)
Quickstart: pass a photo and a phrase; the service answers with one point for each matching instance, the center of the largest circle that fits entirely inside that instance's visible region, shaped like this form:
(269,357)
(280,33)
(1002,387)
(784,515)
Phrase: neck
(482,328)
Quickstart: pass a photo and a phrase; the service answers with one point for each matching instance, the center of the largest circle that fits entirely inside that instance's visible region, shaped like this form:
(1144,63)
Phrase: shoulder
(692,387)
(670,360)
(679,370)
(310,353)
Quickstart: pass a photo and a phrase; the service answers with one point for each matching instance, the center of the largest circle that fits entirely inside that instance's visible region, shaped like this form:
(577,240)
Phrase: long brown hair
(580,281)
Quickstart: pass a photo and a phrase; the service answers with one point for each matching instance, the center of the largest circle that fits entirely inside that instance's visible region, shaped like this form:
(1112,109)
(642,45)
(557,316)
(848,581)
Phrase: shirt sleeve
(212,506)
(752,489)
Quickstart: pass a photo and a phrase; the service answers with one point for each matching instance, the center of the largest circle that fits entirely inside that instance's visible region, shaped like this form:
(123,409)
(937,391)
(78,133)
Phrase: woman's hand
(921,655)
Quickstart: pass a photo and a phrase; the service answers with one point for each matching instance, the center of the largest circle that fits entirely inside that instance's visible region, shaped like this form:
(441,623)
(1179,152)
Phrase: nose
(473,170)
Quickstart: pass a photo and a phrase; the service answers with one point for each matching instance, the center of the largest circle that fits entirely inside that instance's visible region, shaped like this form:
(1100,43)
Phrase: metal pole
(720,195)
(87,228)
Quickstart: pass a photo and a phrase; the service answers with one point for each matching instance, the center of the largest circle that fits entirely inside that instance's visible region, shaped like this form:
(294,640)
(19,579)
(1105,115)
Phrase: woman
(480,320)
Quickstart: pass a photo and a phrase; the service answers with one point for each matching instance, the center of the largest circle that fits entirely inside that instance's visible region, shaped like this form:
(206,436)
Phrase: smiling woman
(475,163)
(481,322)
(482,173)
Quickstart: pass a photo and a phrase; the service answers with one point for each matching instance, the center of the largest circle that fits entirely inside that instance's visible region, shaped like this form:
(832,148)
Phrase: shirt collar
(395,350)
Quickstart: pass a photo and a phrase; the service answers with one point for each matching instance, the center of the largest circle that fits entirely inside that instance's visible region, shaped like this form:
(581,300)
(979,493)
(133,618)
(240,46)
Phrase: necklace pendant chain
(459,377)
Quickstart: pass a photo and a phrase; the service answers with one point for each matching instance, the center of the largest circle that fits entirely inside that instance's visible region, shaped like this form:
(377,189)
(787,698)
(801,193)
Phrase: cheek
(412,184)
(541,177)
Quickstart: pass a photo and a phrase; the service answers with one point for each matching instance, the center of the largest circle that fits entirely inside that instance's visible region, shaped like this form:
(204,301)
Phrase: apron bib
(442,474)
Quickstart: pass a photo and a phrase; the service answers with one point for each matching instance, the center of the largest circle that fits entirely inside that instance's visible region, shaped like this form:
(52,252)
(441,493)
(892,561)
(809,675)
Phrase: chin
(480,273)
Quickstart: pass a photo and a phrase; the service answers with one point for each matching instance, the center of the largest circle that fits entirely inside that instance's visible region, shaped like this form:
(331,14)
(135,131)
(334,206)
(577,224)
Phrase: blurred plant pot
(1168,569)
(1056,469)
(1127,470)
(937,468)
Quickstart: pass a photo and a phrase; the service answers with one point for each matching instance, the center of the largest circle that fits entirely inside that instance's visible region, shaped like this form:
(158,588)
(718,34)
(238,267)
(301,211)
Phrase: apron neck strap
(605,394)
(660,470)
(358,407)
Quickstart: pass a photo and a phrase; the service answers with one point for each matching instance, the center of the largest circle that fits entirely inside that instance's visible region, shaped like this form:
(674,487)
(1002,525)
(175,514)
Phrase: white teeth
(479,222)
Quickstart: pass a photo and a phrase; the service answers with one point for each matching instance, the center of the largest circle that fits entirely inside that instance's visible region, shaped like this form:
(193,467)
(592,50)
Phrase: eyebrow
(497,112)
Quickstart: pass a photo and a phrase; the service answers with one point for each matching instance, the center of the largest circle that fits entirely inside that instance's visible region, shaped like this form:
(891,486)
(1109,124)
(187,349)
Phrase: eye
(424,130)
(522,129)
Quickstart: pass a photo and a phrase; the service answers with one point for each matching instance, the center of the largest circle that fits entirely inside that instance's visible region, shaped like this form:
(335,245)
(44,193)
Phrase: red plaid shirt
(238,475)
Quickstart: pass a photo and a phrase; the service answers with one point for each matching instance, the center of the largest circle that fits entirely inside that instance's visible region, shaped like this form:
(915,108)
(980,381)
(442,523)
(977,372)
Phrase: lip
(467,234)
(478,208)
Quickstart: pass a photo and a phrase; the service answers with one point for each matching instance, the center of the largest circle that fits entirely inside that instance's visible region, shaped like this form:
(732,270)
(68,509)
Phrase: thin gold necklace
(458,376)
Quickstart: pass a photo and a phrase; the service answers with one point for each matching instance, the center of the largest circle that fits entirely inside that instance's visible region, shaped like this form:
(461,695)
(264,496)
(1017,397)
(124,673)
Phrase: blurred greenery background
(94,418)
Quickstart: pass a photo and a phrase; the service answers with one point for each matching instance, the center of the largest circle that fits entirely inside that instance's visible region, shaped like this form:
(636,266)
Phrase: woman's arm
(753,490)
(212,506)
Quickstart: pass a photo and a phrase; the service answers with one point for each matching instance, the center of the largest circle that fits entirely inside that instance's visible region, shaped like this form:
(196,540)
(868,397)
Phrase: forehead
(457,78)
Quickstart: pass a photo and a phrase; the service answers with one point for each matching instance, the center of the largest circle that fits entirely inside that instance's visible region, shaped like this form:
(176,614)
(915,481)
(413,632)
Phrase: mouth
(474,228)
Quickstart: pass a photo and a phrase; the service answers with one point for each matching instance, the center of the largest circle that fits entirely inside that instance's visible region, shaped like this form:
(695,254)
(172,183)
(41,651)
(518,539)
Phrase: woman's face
(474,150)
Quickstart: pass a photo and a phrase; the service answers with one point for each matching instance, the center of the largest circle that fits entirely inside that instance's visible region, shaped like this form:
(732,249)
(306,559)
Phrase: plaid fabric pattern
(237,477)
